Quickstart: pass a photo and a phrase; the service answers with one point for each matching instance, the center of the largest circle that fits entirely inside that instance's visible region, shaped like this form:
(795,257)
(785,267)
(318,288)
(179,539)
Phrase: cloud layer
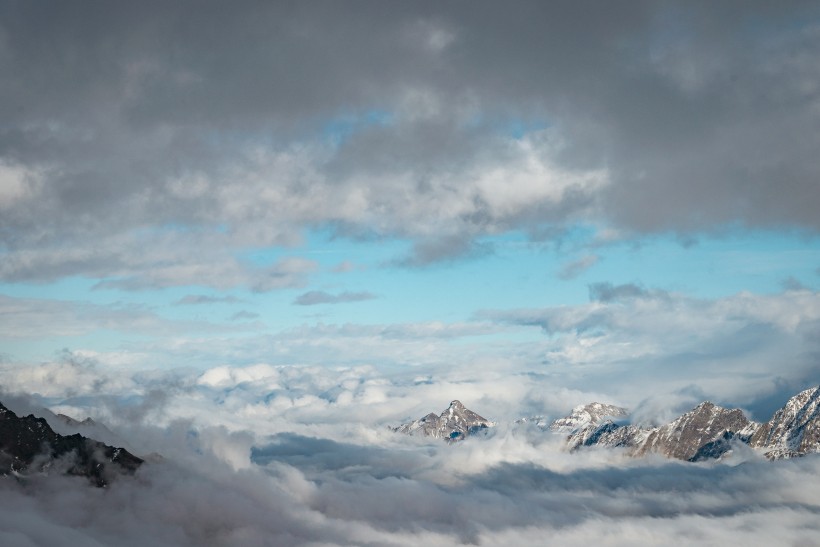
(301,456)
(437,124)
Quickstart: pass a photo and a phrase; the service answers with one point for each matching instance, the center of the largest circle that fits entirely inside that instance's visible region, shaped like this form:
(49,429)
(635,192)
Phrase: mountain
(707,431)
(607,434)
(454,424)
(30,445)
(684,436)
(697,434)
(586,415)
(794,430)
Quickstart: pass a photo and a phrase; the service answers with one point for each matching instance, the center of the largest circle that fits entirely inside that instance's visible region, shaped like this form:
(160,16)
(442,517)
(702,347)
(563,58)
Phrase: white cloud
(295,484)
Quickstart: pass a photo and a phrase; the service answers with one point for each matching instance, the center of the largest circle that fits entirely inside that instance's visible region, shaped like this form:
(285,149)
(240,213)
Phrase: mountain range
(29,445)
(708,431)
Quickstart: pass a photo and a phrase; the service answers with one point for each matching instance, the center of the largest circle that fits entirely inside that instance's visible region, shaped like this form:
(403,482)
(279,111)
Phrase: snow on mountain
(607,434)
(684,436)
(583,416)
(454,424)
(707,431)
(794,430)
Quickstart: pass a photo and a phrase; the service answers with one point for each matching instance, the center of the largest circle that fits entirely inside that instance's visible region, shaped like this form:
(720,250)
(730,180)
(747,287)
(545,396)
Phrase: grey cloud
(125,261)
(194,299)
(116,120)
(32,317)
(793,284)
(313,298)
(438,249)
(573,269)
(607,292)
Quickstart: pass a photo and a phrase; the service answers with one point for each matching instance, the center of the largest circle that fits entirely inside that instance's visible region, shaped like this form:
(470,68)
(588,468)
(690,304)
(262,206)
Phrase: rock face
(454,424)
(794,430)
(28,444)
(607,434)
(683,437)
(707,431)
(704,432)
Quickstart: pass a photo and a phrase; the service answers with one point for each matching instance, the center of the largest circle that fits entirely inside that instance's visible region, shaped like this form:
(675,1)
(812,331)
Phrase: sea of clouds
(303,455)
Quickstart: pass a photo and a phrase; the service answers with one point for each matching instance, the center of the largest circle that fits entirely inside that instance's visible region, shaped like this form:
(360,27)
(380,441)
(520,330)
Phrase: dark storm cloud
(247,122)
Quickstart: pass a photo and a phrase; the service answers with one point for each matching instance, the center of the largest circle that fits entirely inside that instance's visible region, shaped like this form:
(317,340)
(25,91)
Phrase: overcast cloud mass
(245,238)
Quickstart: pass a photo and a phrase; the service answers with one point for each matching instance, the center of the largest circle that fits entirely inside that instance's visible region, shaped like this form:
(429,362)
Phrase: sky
(286,218)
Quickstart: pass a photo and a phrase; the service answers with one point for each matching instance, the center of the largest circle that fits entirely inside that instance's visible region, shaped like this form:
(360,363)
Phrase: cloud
(195,299)
(225,479)
(649,120)
(313,298)
(793,284)
(62,318)
(573,269)
(725,347)
(435,250)
(607,292)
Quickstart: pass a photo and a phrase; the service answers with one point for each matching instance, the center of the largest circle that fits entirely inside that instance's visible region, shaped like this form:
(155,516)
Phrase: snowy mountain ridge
(708,431)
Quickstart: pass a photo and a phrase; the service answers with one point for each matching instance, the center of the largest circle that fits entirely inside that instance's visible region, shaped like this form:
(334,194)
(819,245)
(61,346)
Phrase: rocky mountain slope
(794,429)
(29,445)
(454,424)
(586,415)
(707,431)
(684,436)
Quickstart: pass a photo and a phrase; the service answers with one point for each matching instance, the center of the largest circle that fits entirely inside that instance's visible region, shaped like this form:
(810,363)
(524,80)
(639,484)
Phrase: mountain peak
(454,424)
(794,429)
(587,415)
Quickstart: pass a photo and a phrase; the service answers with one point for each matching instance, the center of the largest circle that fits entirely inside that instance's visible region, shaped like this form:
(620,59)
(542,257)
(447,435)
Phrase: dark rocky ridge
(29,445)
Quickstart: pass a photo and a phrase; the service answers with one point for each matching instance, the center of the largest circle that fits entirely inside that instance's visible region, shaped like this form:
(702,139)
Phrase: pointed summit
(454,424)
(592,414)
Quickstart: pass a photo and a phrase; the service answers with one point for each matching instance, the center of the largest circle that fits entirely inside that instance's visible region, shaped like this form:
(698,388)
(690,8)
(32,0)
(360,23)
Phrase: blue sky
(515,272)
